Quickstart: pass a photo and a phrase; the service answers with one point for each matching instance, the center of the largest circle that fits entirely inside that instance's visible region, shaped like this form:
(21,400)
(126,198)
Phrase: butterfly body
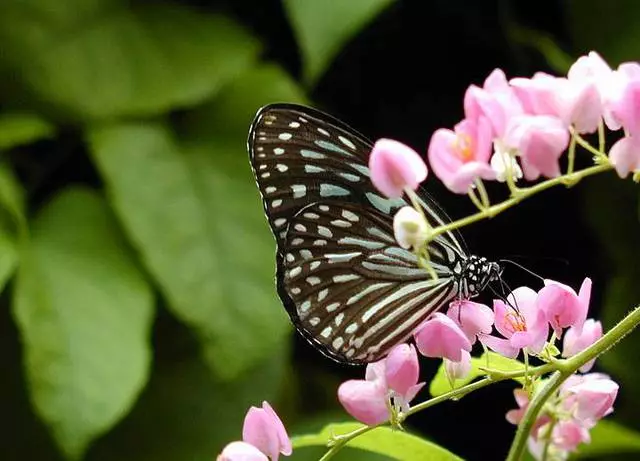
(348,287)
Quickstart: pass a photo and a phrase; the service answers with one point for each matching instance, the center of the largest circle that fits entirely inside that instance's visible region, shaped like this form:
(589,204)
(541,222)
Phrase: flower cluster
(522,127)
(263,437)
(574,409)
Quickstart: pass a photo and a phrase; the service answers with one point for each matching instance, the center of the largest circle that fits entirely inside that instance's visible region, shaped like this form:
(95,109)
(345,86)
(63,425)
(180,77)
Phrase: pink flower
(525,327)
(496,101)
(394,167)
(592,397)
(540,141)
(625,155)
(473,318)
(264,430)
(568,434)
(460,369)
(628,108)
(522,399)
(441,337)
(617,95)
(576,341)
(562,306)
(397,375)
(241,451)
(461,156)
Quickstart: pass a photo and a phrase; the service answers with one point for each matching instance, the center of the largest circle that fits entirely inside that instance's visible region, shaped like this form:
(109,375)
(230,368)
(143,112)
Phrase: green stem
(572,155)
(476,201)
(484,197)
(566,368)
(521,195)
(601,139)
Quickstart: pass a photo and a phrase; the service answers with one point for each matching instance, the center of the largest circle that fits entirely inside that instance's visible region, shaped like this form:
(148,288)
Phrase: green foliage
(322,29)
(385,441)
(166,55)
(609,438)
(78,284)
(17,129)
(440,383)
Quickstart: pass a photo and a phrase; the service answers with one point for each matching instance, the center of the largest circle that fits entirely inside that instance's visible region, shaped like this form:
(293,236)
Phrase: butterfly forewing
(347,285)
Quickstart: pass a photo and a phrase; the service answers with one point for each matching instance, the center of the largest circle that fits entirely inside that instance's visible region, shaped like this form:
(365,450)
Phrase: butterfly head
(477,274)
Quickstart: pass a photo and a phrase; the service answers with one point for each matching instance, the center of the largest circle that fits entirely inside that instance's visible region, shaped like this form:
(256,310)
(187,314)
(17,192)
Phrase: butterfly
(346,284)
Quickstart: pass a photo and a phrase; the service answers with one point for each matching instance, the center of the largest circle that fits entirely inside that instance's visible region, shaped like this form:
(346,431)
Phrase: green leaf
(197,221)
(17,129)
(610,28)
(544,43)
(105,58)
(12,222)
(84,312)
(440,383)
(187,414)
(382,440)
(608,438)
(323,28)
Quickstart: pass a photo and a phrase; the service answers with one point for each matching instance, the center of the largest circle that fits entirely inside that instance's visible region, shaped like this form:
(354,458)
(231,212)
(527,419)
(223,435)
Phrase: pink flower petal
(441,337)
(499,345)
(364,400)
(625,155)
(394,167)
(594,397)
(567,435)
(276,422)
(402,368)
(460,369)
(473,318)
(241,451)
(264,430)
(576,340)
(562,306)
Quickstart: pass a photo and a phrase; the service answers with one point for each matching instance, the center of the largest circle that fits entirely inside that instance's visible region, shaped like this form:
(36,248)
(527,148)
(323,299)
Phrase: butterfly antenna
(520,266)
(514,304)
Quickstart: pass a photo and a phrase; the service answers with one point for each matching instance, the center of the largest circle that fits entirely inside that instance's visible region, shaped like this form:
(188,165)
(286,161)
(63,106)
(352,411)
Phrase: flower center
(463,146)
(516,322)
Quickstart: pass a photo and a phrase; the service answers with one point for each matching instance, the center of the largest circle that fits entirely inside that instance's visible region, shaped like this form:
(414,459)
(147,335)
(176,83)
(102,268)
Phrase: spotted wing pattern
(347,285)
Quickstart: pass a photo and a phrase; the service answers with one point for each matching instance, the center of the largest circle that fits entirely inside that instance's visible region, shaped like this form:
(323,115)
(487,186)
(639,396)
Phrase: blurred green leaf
(608,438)
(187,414)
(382,440)
(440,384)
(193,213)
(84,312)
(17,129)
(12,222)
(323,28)
(545,44)
(105,58)
(610,28)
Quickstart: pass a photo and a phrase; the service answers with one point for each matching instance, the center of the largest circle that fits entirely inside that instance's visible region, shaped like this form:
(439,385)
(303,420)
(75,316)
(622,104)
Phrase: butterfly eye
(347,285)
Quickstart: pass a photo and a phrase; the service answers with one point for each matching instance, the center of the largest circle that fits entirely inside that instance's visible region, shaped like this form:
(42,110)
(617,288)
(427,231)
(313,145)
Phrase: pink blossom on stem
(628,108)
(397,375)
(576,340)
(496,101)
(625,155)
(459,369)
(564,308)
(568,434)
(522,399)
(540,140)
(241,451)
(473,318)
(441,337)
(264,430)
(523,328)
(461,156)
(592,397)
(394,167)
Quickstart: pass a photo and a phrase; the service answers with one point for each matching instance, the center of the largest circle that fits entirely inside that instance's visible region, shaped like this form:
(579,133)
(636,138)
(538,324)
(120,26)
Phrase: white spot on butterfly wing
(299,190)
(294,125)
(281,167)
(285,136)
(351,216)
(331,190)
(323,131)
(276,203)
(278,151)
(347,142)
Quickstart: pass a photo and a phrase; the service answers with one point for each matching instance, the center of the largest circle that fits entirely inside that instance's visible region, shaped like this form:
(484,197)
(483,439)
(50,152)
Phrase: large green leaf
(396,444)
(18,128)
(12,222)
(608,438)
(323,28)
(187,414)
(84,312)
(610,28)
(105,58)
(198,222)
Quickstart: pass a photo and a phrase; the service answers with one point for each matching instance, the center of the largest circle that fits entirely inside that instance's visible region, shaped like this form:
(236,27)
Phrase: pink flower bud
(540,141)
(366,400)
(394,167)
(241,451)
(402,368)
(410,228)
(461,156)
(594,397)
(460,369)
(522,399)
(264,430)
(625,155)
(473,318)
(576,341)
(441,337)
(562,307)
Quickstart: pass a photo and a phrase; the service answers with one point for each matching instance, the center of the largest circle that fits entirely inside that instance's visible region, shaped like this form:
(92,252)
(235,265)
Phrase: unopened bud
(410,228)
